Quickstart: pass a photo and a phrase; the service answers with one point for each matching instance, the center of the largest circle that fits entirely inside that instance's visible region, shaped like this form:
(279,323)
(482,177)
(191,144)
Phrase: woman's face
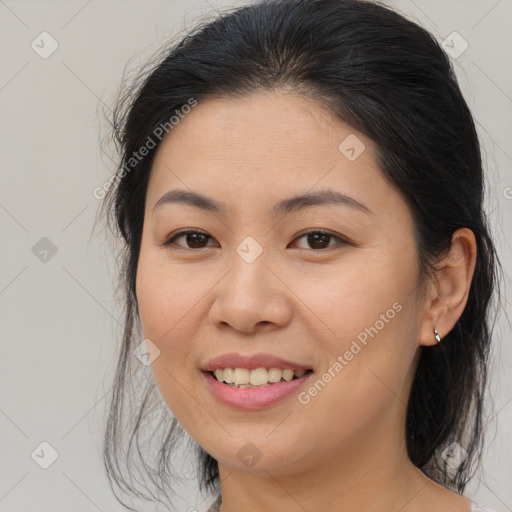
(259,280)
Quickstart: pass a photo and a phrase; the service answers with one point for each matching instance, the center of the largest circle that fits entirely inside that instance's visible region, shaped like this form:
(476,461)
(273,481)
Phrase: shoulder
(477,507)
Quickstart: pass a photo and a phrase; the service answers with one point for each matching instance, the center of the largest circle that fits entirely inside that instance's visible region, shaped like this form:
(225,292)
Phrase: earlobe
(450,287)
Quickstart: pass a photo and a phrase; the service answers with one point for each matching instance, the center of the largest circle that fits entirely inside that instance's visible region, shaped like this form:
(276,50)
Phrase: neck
(370,473)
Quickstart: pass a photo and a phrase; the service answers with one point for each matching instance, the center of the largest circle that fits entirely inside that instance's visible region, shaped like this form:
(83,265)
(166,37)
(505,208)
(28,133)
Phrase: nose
(251,298)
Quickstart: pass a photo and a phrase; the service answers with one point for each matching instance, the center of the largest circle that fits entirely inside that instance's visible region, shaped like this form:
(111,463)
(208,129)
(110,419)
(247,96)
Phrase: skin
(345,449)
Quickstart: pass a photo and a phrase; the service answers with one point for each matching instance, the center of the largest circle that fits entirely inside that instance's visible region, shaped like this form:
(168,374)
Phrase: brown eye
(193,239)
(319,239)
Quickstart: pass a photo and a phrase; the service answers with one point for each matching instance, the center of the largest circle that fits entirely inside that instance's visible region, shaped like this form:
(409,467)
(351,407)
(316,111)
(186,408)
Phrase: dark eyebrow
(285,206)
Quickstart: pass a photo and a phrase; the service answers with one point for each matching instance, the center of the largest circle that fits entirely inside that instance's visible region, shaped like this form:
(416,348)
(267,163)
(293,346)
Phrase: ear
(449,290)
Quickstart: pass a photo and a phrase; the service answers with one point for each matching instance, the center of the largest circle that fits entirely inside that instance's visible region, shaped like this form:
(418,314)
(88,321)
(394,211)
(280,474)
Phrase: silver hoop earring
(436,334)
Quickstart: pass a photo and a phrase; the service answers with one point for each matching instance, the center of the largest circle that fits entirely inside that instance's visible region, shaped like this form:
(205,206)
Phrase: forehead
(262,145)
(279,120)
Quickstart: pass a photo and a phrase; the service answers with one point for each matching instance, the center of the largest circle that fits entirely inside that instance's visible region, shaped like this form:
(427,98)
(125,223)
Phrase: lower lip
(253,398)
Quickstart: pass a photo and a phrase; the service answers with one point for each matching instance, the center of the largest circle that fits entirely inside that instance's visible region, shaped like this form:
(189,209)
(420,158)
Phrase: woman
(307,260)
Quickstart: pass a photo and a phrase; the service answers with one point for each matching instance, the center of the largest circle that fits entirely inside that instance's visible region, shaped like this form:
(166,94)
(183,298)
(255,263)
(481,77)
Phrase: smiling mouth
(243,378)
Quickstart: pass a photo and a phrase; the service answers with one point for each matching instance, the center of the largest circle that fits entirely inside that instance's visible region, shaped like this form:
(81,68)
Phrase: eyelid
(171,238)
(342,240)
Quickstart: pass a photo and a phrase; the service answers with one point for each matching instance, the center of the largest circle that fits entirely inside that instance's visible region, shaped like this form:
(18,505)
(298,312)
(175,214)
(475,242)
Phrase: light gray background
(59,320)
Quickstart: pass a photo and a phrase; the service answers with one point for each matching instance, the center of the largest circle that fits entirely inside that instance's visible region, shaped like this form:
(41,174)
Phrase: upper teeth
(257,377)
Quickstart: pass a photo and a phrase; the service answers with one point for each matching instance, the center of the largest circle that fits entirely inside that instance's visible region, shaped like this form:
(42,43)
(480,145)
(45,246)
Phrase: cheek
(347,299)
(169,300)
(166,297)
(161,305)
(366,321)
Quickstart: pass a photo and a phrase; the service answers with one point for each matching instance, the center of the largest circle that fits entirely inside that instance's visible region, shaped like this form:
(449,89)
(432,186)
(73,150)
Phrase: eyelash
(170,241)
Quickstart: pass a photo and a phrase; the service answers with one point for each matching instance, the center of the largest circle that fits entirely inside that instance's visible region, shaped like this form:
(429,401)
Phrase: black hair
(390,79)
